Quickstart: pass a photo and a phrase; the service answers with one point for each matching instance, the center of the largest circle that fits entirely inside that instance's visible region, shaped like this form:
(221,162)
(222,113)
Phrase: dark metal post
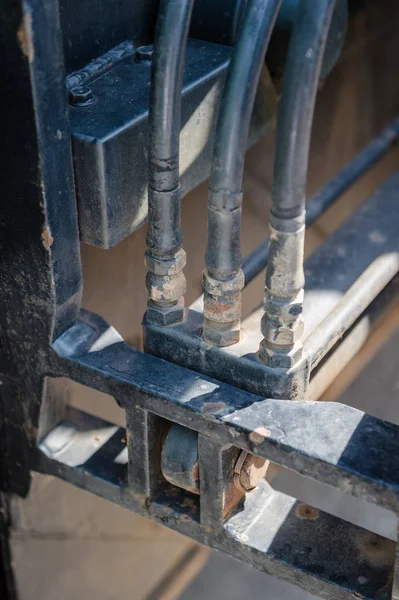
(165,258)
(282,323)
(223,278)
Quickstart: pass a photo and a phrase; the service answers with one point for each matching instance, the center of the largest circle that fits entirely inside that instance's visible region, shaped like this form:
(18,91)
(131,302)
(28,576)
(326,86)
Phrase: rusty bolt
(280,357)
(81,96)
(249,470)
(144,53)
(165,314)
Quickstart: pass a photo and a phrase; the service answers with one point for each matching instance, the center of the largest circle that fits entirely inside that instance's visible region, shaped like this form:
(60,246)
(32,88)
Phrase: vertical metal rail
(282,323)
(165,258)
(223,278)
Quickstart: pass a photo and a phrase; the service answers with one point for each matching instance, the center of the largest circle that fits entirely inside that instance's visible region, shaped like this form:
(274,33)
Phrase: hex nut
(285,309)
(249,470)
(167,288)
(169,314)
(280,357)
(171,266)
(282,334)
(221,335)
(222,309)
(81,95)
(216,287)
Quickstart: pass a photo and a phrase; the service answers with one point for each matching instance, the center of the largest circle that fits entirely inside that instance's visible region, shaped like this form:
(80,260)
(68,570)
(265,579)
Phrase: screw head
(81,96)
(144,53)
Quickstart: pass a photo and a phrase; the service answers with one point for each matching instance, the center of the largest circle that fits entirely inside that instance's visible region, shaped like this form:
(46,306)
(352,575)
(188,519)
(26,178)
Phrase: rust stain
(307,512)
(24,35)
(377,550)
(47,238)
(259,434)
(217,309)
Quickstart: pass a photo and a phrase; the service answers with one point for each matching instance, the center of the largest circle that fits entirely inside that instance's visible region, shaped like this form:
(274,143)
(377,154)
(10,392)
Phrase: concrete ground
(376,391)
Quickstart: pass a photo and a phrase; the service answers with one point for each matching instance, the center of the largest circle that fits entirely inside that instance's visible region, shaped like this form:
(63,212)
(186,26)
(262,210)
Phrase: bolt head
(169,314)
(81,96)
(250,470)
(221,335)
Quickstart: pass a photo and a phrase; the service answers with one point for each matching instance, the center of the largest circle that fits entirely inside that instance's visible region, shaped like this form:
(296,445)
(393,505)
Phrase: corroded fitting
(280,357)
(249,470)
(222,309)
(166,286)
(282,323)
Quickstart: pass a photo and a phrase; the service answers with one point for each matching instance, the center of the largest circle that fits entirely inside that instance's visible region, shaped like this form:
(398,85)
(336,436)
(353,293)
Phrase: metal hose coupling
(282,324)
(165,259)
(222,309)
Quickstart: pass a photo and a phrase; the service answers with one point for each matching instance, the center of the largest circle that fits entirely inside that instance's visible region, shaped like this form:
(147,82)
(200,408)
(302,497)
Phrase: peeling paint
(47,238)
(24,35)
(259,435)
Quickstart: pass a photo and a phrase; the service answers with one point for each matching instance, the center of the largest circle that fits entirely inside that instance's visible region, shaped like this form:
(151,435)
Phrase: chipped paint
(24,35)
(259,434)
(47,238)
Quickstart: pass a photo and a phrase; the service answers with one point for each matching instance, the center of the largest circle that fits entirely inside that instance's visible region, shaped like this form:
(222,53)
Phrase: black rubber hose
(164,234)
(296,110)
(223,255)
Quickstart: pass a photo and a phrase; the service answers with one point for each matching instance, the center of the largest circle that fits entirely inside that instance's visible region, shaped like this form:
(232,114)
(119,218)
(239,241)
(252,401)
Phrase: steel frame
(46,335)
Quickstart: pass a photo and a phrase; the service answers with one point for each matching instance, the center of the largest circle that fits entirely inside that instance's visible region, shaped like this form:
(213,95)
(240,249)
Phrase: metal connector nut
(282,334)
(170,266)
(165,288)
(249,470)
(165,314)
(277,357)
(287,309)
(220,334)
(216,287)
